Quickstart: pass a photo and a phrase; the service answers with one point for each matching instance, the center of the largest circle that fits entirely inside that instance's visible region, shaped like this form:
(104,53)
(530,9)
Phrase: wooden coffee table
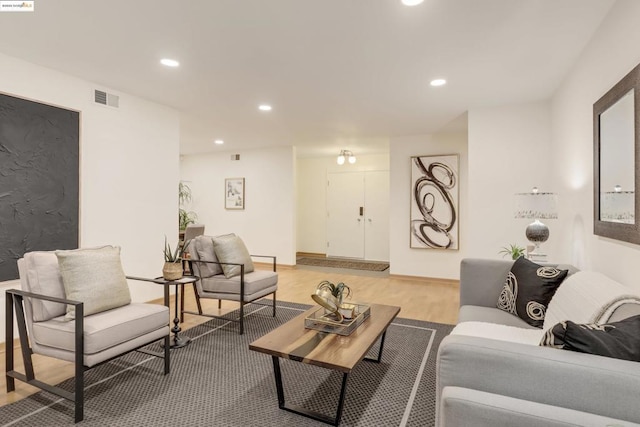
(331,351)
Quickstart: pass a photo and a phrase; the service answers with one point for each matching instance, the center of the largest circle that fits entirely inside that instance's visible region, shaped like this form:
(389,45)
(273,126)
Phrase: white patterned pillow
(95,277)
(528,289)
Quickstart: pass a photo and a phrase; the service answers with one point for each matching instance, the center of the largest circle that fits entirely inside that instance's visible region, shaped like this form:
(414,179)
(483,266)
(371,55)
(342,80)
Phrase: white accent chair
(87,341)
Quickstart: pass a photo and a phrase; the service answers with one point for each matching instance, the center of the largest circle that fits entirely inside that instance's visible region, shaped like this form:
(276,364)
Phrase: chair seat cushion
(253,282)
(103,330)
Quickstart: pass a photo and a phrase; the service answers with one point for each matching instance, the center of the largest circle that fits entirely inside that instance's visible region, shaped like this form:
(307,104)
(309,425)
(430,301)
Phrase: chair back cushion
(203,246)
(42,276)
(231,248)
(95,277)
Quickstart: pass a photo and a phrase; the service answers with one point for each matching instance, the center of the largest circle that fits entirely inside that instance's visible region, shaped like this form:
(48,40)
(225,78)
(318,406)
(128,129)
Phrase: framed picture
(234,193)
(434,202)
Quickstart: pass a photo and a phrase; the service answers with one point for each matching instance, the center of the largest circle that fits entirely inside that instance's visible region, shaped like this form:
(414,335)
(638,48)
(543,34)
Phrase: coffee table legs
(302,411)
(312,414)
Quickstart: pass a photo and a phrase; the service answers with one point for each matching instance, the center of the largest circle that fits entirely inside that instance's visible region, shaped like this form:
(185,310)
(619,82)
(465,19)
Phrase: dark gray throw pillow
(528,289)
(620,340)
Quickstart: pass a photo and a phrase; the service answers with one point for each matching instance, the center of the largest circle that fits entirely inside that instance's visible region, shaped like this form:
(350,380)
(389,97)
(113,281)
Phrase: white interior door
(376,214)
(345,222)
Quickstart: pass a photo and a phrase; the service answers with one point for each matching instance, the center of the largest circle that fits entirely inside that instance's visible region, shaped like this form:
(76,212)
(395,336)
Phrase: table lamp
(536,205)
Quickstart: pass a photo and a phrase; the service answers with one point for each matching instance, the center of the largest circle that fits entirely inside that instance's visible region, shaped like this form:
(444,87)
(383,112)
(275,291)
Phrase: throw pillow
(620,340)
(231,249)
(528,289)
(204,248)
(95,277)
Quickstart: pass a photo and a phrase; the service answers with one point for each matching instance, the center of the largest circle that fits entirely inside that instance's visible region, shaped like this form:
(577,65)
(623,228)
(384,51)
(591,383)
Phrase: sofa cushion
(231,249)
(43,277)
(476,313)
(528,289)
(103,330)
(204,252)
(95,277)
(620,340)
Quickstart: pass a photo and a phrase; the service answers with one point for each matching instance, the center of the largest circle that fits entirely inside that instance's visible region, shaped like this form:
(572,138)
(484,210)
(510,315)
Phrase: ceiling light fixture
(411,2)
(169,62)
(344,155)
(438,82)
(218,142)
(265,107)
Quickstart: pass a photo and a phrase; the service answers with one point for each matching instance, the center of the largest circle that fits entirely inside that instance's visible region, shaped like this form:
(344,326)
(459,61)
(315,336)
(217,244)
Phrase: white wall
(606,60)
(434,263)
(312,195)
(509,152)
(129,168)
(267,224)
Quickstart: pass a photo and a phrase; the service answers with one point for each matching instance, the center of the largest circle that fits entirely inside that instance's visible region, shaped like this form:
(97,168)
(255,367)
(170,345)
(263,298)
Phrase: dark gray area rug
(217,381)
(343,263)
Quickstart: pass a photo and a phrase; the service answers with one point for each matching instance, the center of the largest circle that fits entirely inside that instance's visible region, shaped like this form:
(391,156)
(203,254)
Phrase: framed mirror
(616,143)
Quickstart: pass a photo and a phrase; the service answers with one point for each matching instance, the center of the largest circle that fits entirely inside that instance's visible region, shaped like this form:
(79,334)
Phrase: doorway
(358,215)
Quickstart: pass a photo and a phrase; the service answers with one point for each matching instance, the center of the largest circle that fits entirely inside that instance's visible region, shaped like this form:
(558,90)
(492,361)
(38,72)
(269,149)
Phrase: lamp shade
(536,205)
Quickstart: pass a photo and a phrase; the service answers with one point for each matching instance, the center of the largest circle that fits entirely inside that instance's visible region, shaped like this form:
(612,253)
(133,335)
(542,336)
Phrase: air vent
(235,157)
(104,98)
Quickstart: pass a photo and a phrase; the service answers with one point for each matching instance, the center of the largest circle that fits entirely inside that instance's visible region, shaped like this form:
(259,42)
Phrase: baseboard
(310,255)
(269,266)
(453,282)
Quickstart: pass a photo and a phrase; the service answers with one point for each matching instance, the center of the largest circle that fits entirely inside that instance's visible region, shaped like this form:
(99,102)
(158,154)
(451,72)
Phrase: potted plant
(514,251)
(172,269)
(185,217)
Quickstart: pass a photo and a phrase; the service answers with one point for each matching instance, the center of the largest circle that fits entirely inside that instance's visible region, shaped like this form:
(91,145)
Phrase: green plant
(184,196)
(175,255)
(185,218)
(336,290)
(184,193)
(514,251)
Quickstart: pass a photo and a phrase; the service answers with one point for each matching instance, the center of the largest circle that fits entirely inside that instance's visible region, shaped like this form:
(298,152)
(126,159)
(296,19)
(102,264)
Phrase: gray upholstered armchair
(225,271)
(75,306)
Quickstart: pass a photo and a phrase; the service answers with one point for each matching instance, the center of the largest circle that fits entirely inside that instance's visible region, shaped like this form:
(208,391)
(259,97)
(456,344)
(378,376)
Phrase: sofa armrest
(481,280)
(467,407)
(578,381)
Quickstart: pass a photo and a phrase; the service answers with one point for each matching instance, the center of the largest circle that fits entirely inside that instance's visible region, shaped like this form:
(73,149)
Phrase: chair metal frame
(242,301)
(15,300)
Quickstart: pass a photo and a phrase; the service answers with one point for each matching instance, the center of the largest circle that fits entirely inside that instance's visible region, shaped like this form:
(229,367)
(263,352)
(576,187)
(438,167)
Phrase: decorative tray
(325,322)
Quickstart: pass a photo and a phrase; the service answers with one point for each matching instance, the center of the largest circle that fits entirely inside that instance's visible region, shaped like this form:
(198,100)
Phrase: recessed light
(169,62)
(411,2)
(264,107)
(438,82)
(218,142)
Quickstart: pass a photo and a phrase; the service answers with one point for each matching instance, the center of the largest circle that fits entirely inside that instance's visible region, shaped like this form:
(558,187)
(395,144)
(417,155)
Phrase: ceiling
(338,73)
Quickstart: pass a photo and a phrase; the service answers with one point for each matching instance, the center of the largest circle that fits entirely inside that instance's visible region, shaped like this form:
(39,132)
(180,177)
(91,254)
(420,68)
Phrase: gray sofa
(482,381)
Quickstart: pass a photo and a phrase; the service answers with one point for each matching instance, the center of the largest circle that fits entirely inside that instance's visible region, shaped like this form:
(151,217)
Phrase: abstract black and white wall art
(39,180)
(434,202)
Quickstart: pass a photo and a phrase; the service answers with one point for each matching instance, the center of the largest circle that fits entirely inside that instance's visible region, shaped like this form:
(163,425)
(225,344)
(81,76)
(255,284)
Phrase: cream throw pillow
(231,248)
(95,277)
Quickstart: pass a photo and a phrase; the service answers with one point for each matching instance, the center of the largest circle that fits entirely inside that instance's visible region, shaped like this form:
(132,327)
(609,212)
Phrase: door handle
(361,210)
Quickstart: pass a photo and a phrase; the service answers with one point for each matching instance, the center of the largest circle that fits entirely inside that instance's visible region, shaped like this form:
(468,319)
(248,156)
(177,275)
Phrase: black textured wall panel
(39,174)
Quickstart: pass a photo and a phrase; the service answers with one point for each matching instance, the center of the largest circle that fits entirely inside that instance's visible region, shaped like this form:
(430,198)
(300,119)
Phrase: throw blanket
(587,297)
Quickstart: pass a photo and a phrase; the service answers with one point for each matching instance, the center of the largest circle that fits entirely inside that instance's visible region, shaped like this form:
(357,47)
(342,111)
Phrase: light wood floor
(422,299)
